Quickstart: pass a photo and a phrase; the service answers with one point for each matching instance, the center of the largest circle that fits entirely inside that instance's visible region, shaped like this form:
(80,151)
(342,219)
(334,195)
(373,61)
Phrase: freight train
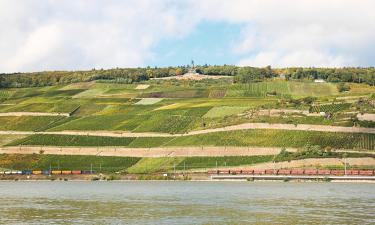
(47,172)
(318,172)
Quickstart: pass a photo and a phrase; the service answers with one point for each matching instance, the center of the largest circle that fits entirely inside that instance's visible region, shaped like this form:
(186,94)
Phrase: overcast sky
(85,34)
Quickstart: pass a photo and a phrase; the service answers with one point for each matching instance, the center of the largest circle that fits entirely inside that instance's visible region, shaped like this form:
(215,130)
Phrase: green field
(27,123)
(66,162)
(155,165)
(261,138)
(330,108)
(72,140)
(222,161)
(177,107)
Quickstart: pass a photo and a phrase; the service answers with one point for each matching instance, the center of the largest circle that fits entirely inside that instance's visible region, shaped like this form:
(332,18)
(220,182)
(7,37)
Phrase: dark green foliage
(47,78)
(314,151)
(356,75)
(343,87)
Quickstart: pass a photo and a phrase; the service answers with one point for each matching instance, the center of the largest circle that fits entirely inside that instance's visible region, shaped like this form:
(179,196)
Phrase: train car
(56,172)
(270,172)
(209,172)
(8,172)
(36,172)
(352,172)
(234,172)
(337,172)
(76,172)
(247,171)
(93,171)
(283,172)
(259,172)
(366,172)
(46,172)
(224,171)
(297,172)
(66,172)
(311,172)
(27,172)
(324,172)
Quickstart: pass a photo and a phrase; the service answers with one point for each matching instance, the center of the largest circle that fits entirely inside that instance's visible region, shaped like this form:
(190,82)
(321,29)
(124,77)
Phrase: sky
(85,34)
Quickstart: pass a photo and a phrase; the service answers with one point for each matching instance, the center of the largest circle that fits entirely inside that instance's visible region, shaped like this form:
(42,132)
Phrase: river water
(154,202)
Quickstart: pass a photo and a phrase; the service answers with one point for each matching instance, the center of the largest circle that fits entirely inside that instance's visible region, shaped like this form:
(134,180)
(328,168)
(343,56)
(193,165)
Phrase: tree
(2,80)
(341,87)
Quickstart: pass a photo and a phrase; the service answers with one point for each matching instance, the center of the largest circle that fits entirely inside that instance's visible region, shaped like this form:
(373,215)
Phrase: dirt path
(152,152)
(33,114)
(246,126)
(145,152)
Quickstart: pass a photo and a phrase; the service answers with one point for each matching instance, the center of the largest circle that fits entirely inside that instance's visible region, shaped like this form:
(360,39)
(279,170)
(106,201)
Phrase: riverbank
(195,177)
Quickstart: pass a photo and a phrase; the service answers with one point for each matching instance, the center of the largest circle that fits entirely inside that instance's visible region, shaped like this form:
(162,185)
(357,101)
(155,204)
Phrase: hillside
(183,113)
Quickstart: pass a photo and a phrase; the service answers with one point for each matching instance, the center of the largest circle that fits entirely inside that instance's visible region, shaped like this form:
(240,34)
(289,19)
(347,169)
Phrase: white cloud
(53,35)
(302,32)
(82,34)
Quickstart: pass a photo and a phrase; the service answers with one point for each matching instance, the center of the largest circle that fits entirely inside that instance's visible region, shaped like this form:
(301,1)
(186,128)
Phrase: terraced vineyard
(261,138)
(65,162)
(178,107)
(330,107)
(211,162)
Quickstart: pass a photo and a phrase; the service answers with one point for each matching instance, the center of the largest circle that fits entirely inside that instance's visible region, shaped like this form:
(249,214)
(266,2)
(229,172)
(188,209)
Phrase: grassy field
(261,138)
(220,161)
(6,139)
(222,111)
(281,89)
(148,101)
(27,123)
(72,140)
(155,165)
(65,162)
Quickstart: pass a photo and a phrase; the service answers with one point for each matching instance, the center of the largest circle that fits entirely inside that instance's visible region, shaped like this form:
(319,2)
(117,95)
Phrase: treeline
(246,74)
(240,75)
(47,78)
(356,75)
(251,74)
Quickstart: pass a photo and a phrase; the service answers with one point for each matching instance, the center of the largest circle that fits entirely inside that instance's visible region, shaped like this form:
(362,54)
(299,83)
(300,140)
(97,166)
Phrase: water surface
(148,202)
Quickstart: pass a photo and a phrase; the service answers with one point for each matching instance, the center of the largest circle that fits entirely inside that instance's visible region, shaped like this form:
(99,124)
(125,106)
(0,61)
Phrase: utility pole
(174,171)
(91,169)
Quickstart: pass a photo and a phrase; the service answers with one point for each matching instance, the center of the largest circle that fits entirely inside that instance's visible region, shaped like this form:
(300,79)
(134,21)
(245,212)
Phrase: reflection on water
(186,203)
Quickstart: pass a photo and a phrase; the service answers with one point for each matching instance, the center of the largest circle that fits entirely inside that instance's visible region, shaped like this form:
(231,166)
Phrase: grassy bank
(105,164)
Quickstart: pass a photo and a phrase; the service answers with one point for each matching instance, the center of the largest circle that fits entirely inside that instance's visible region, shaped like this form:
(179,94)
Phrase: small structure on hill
(319,81)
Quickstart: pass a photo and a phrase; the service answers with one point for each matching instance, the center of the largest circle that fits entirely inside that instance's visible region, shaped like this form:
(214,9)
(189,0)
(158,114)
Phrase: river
(159,202)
